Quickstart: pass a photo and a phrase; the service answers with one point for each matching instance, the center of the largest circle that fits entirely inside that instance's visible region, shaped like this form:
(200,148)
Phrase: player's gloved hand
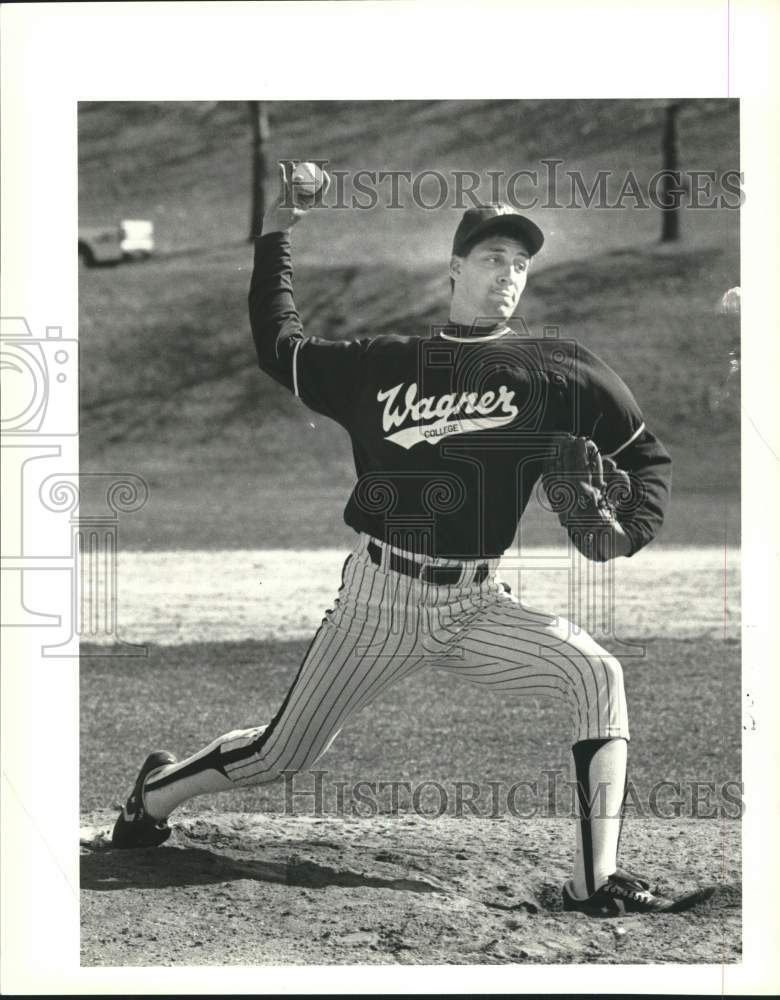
(584,490)
(617,482)
(291,205)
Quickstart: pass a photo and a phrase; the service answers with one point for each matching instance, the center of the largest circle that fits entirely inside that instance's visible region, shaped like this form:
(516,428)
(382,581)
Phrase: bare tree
(258,118)
(671,188)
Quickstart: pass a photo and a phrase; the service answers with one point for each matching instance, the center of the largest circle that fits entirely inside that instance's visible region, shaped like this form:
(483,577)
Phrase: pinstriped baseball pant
(386,626)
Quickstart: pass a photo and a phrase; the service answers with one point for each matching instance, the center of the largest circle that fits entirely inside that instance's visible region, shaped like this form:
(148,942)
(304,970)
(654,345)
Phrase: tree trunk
(258,118)
(671,188)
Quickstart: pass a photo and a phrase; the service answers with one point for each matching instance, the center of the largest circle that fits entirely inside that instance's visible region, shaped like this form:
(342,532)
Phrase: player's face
(490,280)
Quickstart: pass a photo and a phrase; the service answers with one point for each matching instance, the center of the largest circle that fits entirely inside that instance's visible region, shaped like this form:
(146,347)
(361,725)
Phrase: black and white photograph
(523,355)
(380,478)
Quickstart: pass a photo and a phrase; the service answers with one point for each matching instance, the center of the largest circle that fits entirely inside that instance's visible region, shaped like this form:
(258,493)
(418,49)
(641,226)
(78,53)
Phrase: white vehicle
(137,238)
(132,239)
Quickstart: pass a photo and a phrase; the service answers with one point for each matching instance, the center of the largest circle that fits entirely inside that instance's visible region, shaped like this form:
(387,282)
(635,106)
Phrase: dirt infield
(278,890)
(179,597)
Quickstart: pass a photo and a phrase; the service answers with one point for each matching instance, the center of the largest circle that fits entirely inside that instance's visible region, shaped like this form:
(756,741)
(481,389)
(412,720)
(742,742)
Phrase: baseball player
(450,432)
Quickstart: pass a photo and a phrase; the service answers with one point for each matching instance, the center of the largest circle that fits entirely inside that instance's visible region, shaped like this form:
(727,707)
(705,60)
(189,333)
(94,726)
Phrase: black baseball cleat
(134,828)
(624,892)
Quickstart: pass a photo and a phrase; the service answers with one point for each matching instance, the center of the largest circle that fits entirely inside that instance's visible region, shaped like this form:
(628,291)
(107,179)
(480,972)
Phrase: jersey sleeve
(621,433)
(322,373)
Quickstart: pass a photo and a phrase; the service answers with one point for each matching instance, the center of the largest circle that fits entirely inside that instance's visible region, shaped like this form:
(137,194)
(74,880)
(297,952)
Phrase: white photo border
(54,55)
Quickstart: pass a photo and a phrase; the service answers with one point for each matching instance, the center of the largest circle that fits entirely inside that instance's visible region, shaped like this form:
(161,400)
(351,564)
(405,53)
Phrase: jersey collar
(461,332)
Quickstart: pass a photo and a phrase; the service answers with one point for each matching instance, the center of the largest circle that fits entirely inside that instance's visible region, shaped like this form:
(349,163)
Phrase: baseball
(307,179)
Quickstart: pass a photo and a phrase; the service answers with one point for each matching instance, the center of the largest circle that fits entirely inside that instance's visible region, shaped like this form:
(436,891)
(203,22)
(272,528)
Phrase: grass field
(682,699)
(229,595)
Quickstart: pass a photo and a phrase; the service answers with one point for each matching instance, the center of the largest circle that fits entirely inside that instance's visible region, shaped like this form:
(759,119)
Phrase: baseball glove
(581,488)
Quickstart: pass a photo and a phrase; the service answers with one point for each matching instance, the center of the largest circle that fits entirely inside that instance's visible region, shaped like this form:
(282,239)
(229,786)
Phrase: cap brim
(516,226)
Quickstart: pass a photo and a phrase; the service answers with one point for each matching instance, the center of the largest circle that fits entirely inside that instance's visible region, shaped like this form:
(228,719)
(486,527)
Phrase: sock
(200,774)
(600,767)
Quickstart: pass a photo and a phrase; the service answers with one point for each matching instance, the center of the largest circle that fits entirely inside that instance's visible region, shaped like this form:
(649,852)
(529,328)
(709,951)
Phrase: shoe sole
(598,912)
(680,905)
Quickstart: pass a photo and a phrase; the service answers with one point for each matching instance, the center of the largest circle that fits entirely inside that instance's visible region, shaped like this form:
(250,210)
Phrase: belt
(441,576)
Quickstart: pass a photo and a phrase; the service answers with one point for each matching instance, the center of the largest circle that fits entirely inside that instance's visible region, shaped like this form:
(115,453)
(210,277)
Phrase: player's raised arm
(276,326)
(322,373)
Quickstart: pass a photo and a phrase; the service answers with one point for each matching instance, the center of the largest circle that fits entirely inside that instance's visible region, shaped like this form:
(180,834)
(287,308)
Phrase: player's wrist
(273,222)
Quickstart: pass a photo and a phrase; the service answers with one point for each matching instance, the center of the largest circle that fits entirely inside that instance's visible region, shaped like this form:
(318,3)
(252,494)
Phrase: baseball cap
(482,220)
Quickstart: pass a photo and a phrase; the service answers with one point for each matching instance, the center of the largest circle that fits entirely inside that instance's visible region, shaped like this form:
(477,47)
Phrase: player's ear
(455,265)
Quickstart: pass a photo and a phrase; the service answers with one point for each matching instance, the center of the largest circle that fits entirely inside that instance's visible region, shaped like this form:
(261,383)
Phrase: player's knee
(613,671)
(611,683)
(607,673)
(613,695)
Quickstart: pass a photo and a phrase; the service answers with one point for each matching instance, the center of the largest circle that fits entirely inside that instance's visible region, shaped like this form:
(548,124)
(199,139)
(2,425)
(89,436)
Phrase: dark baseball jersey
(450,429)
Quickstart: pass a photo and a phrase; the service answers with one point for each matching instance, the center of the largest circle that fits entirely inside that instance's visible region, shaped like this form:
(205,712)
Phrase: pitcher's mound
(249,889)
